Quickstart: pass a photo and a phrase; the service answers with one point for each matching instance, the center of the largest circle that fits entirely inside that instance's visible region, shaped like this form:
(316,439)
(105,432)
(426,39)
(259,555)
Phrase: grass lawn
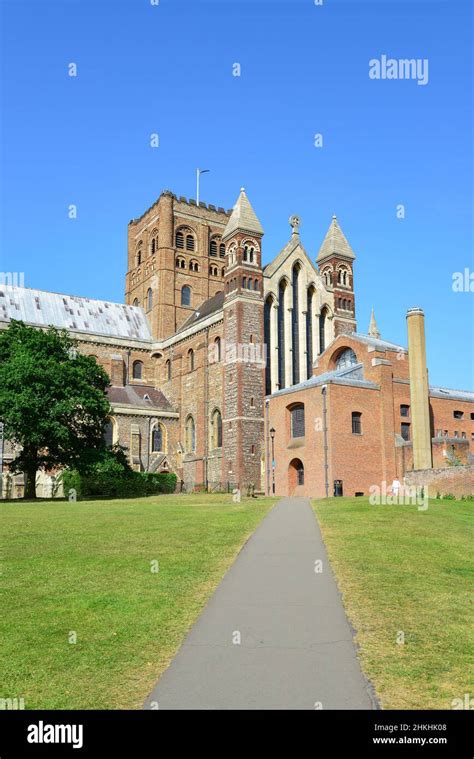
(406,571)
(85,568)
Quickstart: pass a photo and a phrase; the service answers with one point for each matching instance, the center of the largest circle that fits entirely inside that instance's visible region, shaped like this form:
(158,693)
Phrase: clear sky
(168,69)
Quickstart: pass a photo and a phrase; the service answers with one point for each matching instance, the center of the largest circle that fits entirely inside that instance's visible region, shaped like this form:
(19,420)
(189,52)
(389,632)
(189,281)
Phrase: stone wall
(454,480)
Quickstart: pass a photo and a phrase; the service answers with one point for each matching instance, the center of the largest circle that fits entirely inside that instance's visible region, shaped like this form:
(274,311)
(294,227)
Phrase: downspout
(267,444)
(206,412)
(325,432)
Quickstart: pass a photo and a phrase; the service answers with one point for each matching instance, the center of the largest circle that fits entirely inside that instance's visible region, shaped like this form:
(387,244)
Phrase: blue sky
(167,69)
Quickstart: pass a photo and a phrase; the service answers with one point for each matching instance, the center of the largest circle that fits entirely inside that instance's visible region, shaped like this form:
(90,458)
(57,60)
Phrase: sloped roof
(207,308)
(351,375)
(141,396)
(335,243)
(243,217)
(293,244)
(98,317)
(377,343)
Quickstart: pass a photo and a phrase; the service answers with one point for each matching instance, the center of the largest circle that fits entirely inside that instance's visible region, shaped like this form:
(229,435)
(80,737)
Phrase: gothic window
(153,246)
(295,335)
(255,285)
(135,302)
(309,331)
(179,240)
(322,330)
(213,271)
(168,369)
(281,333)
(193,266)
(190,439)
(213,248)
(138,258)
(189,242)
(222,272)
(297,420)
(158,438)
(356,423)
(149,299)
(216,429)
(222,250)
(346,358)
(268,342)
(110,432)
(217,343)
(137,370)
(244,282)
(190,360)
(186,295)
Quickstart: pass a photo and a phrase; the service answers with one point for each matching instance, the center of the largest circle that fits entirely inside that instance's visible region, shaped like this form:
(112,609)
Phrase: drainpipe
(127,373)
(206,413)
(325,432)
(267,444)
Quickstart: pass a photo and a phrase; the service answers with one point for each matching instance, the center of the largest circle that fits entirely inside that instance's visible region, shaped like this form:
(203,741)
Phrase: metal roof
(98,317)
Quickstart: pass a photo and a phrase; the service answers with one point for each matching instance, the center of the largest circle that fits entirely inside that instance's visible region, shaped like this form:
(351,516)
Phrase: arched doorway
(295,476)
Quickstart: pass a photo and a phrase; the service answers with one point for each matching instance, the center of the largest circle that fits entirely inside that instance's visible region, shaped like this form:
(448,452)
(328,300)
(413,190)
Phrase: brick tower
(244,360)
(335,260)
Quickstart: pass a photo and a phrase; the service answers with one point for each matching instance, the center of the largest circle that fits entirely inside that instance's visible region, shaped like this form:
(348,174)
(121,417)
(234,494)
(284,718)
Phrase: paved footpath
(296,648)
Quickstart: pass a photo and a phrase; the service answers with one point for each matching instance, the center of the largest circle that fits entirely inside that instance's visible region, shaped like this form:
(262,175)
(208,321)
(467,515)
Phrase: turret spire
(373,329)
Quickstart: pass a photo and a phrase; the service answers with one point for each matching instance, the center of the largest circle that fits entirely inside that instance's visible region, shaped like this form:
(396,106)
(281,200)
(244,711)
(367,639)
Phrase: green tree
(53,401)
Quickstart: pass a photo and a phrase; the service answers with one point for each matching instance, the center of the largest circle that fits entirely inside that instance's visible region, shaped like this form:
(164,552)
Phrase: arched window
(185,295)
(222,250)
(180,262)
(158,439)
(256,285)
(136,302)
(217,343)
(326,274)
(281,333)
(343,276)
(189,242)
(222,272)
(149,299)
(213,248)
(216,429)
(232,254)
(179,242)
(295,322)
(310,295)
(153,246)
(356,423)
(244,282)
(168,369)
(190,440)
(190,360)
(322,330)
(111,432)
(346,358)
(138,258)
(137,370)
(193,266)
(297,420)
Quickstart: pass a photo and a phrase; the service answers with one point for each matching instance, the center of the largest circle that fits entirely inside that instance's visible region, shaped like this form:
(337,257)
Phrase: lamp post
(272,436)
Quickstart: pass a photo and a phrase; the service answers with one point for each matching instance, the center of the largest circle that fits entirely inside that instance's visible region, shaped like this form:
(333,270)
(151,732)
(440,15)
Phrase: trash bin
(338,487)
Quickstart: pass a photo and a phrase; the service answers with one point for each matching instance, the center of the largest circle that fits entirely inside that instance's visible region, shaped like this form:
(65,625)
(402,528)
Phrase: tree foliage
(53,401)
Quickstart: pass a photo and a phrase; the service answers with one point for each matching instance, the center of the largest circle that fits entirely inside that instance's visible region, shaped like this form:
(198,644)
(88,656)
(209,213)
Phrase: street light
(272,435)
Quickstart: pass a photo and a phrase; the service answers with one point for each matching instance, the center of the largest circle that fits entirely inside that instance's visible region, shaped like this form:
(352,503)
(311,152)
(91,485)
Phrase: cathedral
(213,359)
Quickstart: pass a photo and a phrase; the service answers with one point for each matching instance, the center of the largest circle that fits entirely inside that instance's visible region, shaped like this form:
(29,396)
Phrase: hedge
(116,485)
